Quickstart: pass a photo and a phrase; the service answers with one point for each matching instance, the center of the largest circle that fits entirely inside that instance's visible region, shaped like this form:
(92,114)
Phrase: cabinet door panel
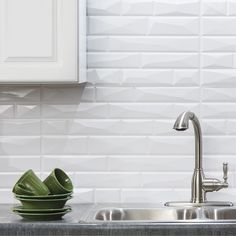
(38,41)
(29,33)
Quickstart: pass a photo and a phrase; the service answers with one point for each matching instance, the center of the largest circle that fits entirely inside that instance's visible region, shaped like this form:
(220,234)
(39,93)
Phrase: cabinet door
(38,41)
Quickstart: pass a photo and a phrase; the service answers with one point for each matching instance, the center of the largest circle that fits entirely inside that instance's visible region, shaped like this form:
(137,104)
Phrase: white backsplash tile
(214,7)
(83,195)
(106,76)
(117,145)
(117,94)
(219,26)
(141,110)
(218,95)
(217,61)
(19,127)
(167,94)
(148,77)
(82,110)
(231,127)
(57,145)
(219,44)
(219,110)
(9,179)
(27,111)
(6,111)
(114,60)
(107,195)
(104,7)
(143,44)
(165,180)
(168,60)
(147,163)
(66,94)
(179,145)
(174,26)
(19,94)
(219,78)
(153,195)
(177,7)
(15,145)
(75,163)
(232,7)
(190,77)
(214,127)
(108,180)
(148,61)
(114,25)
(17,163)
(219,145)
(6,196)
(137,7)
(137,127)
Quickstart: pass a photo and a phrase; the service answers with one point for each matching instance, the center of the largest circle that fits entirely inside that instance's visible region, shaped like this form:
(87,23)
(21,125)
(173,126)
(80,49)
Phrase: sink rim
(93,211)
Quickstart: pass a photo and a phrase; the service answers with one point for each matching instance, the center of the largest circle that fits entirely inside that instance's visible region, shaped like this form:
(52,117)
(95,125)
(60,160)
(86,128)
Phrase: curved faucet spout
(181,124)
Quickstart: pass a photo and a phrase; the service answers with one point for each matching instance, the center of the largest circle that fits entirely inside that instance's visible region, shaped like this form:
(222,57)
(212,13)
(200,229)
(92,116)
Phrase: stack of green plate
(38,201)
(51,207)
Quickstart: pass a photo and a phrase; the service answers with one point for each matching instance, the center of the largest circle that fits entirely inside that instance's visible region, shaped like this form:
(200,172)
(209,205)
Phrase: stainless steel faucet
(200,184)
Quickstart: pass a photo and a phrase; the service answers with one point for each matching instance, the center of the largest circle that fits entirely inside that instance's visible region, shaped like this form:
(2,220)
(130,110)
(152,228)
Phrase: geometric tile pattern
(148,61)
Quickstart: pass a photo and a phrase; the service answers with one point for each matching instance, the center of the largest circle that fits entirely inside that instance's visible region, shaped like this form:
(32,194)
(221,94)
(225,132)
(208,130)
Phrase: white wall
(149,60)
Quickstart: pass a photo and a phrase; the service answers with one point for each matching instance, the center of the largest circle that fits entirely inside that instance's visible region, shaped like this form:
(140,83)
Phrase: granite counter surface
(73,224)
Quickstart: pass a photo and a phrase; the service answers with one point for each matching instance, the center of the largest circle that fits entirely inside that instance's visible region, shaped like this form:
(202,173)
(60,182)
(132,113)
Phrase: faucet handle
(225,171)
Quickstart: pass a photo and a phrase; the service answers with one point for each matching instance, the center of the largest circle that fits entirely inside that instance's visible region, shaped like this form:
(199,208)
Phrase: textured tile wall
(148,61)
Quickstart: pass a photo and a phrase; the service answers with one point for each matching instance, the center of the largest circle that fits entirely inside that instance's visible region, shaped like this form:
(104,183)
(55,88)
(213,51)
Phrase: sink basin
(220,214)
(162,214)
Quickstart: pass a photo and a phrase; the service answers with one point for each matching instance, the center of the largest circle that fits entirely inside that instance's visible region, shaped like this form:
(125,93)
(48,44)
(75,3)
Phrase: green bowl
(58,182)
(43,216)
(43,203)
(56,196)
(21,209)
(30,181)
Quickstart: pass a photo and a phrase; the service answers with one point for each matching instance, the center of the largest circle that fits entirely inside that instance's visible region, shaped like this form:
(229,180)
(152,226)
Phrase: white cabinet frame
(42,41)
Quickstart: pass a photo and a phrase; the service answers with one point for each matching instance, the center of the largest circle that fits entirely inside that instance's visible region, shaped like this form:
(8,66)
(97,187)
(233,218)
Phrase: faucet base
(203,204)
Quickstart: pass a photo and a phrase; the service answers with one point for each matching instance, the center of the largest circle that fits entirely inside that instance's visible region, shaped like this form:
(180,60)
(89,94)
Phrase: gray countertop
(73,224)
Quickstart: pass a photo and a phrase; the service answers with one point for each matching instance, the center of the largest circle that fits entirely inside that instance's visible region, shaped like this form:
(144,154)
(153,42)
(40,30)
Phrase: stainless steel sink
(162,214)
(220,213)
(168,214)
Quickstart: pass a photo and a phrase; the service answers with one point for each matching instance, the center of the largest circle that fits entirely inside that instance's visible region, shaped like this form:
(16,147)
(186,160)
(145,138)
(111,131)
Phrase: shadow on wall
(24,110)
(41,93)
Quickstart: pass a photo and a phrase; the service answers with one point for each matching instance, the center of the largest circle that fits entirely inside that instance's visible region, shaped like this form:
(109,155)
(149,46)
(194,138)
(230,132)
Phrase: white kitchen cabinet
(42,41)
